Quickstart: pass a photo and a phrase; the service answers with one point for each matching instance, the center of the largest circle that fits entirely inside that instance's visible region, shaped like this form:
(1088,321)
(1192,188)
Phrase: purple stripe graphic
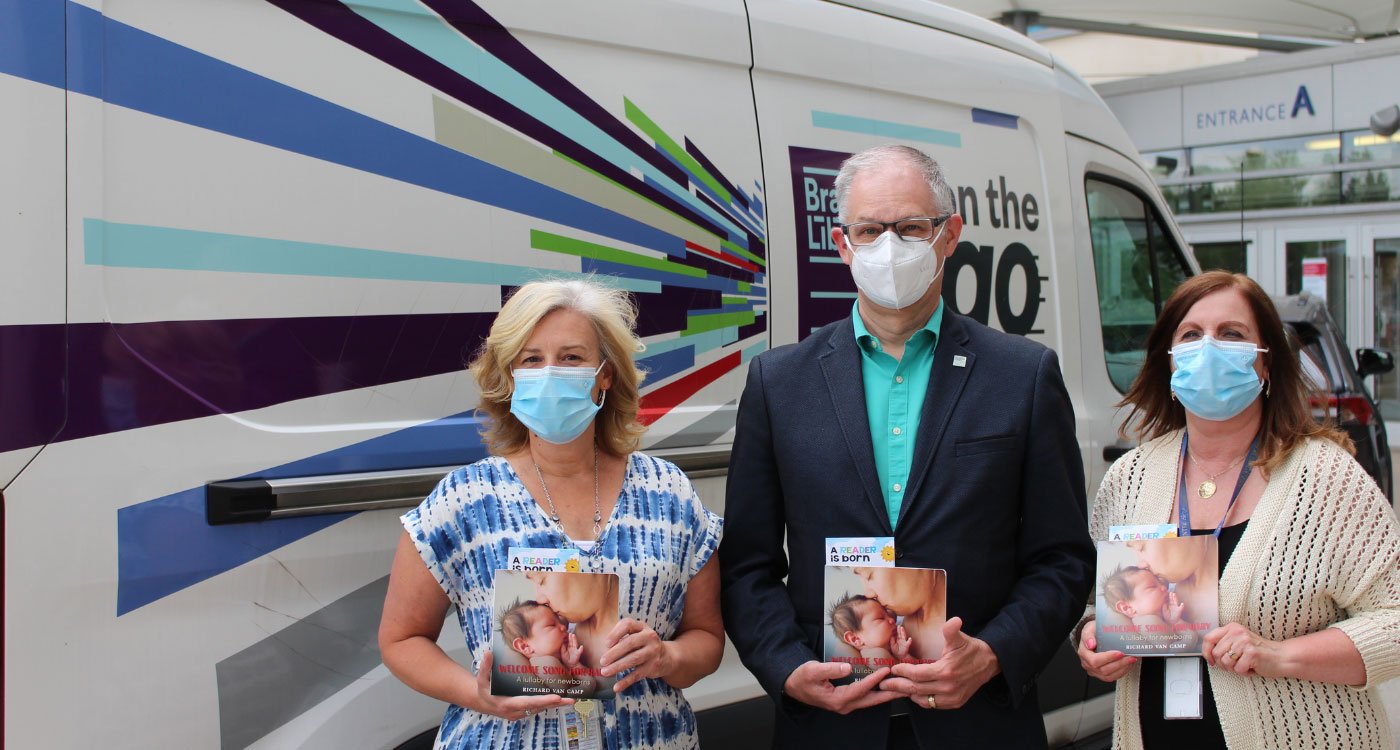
(361,33)
(31,384)
(759,325)
(709,166)
(669,311)
(479,26)
(125,376)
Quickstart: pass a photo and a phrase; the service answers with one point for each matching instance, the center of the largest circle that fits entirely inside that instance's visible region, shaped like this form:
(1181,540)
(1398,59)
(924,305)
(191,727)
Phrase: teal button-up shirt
(894,399)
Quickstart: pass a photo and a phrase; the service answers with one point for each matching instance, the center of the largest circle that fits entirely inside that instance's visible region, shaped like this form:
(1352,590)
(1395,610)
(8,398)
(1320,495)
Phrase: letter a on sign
(1302,100)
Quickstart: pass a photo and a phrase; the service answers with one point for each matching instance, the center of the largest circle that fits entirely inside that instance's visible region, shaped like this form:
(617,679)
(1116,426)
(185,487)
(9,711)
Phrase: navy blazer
(995,496)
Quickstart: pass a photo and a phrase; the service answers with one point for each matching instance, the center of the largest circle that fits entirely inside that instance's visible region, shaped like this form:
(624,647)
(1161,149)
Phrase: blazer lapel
(841,367)
(945,388)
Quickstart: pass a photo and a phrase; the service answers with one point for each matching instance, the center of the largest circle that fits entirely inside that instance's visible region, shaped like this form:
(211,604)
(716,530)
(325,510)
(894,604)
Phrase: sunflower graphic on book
(887,554)
(571,565)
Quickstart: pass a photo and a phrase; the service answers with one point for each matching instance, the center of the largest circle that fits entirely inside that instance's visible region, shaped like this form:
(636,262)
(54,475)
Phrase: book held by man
(877,615)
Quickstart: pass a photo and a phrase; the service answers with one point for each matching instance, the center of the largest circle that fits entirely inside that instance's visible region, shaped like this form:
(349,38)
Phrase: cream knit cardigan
(1322,549)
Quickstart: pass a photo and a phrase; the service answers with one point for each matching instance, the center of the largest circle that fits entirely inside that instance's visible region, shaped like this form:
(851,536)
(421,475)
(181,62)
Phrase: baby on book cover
(1157,597)
(549,629)
(879,616)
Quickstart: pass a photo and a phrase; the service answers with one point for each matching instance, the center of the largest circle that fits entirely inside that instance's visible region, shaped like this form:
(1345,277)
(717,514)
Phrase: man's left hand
(967,663)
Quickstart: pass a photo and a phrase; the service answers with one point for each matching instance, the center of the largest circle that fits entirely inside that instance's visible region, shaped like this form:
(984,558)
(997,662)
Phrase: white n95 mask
(894,272)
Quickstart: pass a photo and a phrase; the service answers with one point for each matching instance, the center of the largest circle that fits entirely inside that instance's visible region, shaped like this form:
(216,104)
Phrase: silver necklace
(1206,489)
(597,506)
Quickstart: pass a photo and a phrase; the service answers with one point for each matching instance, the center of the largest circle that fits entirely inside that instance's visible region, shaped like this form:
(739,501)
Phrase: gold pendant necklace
(1206,490)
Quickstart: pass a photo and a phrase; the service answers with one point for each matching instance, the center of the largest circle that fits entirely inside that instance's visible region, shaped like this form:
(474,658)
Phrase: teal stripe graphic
(884,129)
(703,342)
(824,259)
(138,246)
(819,170)
(429,34)
(753,351)
(833,295)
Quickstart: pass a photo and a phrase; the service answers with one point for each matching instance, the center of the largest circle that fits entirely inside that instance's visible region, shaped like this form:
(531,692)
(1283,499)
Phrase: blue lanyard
(1183,512)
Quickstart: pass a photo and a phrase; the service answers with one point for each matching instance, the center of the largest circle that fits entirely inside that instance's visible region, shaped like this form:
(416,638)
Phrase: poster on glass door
(1315,277)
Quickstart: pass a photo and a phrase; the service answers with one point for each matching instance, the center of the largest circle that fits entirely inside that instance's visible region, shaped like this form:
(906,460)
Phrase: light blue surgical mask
(1215,380)
(556,403)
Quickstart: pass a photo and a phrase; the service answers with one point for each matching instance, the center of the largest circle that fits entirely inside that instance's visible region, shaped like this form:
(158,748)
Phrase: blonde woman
(559,393)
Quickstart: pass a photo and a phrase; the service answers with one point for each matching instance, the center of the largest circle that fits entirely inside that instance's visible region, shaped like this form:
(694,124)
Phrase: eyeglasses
(914,228)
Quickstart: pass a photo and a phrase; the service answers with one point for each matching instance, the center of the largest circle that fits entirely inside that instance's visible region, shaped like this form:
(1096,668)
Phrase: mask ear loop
(602,394)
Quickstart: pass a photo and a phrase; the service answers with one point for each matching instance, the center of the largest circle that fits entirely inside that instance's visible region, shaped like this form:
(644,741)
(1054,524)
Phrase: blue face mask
(556,403)
(1215,380)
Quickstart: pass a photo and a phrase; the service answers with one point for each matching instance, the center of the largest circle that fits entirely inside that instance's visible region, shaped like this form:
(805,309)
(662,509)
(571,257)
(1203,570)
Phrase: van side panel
(287,226)
(822,96)
(32,335)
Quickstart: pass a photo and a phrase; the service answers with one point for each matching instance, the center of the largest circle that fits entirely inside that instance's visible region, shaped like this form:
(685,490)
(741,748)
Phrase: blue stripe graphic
(663,365)
(165,545)
(31,40)
(717,283)
(998,119)
(149,74)
(430,35)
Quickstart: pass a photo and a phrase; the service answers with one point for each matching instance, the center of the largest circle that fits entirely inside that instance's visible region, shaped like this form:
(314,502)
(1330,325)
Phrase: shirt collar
(867,340)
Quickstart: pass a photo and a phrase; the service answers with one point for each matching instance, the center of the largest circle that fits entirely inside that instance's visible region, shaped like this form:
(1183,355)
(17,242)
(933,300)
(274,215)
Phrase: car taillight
(1346,408)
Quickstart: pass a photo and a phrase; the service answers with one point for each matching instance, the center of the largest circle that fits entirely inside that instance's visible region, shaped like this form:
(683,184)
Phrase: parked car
(1340,383)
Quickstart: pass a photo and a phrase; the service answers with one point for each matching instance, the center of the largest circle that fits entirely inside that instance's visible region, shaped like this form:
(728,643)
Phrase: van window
(1137,266)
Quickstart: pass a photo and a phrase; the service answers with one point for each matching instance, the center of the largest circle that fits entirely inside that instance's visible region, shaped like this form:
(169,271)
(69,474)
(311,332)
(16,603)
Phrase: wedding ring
(932,703)
(529,711)
(1230,654)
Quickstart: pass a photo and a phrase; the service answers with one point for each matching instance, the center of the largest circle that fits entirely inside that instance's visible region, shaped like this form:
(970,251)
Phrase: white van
(248,247)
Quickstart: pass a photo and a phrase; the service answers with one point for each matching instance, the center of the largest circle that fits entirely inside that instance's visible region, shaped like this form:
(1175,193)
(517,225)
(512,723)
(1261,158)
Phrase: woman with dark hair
(1309,550)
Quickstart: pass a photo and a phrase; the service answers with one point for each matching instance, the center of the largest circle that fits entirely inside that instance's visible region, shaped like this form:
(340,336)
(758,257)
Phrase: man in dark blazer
(991,488)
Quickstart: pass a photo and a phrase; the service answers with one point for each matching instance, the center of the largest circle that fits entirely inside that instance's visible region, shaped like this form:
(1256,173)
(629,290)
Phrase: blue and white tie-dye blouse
(658,538)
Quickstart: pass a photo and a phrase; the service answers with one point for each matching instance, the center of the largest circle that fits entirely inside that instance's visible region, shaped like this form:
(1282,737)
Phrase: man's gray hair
(880,156)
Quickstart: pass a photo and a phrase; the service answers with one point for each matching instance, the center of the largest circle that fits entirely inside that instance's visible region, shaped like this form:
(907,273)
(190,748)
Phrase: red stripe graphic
(732,260)
(661,401)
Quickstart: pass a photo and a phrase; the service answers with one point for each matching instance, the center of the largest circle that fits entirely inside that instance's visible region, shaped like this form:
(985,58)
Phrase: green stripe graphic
(701,323)
(733,248)
(667,144)
(569,246)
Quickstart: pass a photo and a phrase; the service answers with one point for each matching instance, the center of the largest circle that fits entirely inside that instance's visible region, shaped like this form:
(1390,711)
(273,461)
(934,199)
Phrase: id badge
(1181,696)
(580,730)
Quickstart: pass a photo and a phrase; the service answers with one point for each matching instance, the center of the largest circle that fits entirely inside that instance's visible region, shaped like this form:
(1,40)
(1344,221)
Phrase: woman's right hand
(513,708)
(1108,666)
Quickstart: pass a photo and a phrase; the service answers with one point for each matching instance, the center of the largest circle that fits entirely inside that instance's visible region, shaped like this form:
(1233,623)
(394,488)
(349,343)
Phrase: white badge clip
(580,730)
(1181,698)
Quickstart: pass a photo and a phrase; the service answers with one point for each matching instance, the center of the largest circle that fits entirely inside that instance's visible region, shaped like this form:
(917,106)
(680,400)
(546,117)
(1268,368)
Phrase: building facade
(1272,169)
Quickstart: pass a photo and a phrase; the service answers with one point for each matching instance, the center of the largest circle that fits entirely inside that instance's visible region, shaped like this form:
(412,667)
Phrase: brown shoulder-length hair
(613,313)
(1287,417)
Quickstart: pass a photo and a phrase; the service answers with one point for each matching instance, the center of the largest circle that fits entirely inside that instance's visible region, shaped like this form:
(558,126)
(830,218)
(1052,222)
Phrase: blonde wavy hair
(613,314)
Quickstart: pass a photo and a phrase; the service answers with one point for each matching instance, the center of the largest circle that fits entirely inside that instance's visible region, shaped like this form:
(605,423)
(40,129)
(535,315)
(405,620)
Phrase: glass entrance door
(1386,289)
(1319,267)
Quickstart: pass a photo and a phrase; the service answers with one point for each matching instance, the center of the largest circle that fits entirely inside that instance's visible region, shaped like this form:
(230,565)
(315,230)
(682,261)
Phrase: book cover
(1157,597)
(879,616)
(536,648)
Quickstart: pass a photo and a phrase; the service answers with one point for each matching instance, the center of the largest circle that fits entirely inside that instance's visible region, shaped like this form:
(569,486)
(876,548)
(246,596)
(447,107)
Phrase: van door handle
(1113,453)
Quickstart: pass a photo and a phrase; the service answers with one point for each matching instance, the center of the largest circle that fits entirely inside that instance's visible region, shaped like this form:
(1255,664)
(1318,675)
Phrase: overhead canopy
(1336,20)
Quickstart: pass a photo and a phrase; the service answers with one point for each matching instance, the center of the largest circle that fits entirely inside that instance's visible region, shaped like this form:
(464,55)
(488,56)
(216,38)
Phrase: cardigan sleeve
(1365,540)
(1108,505)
